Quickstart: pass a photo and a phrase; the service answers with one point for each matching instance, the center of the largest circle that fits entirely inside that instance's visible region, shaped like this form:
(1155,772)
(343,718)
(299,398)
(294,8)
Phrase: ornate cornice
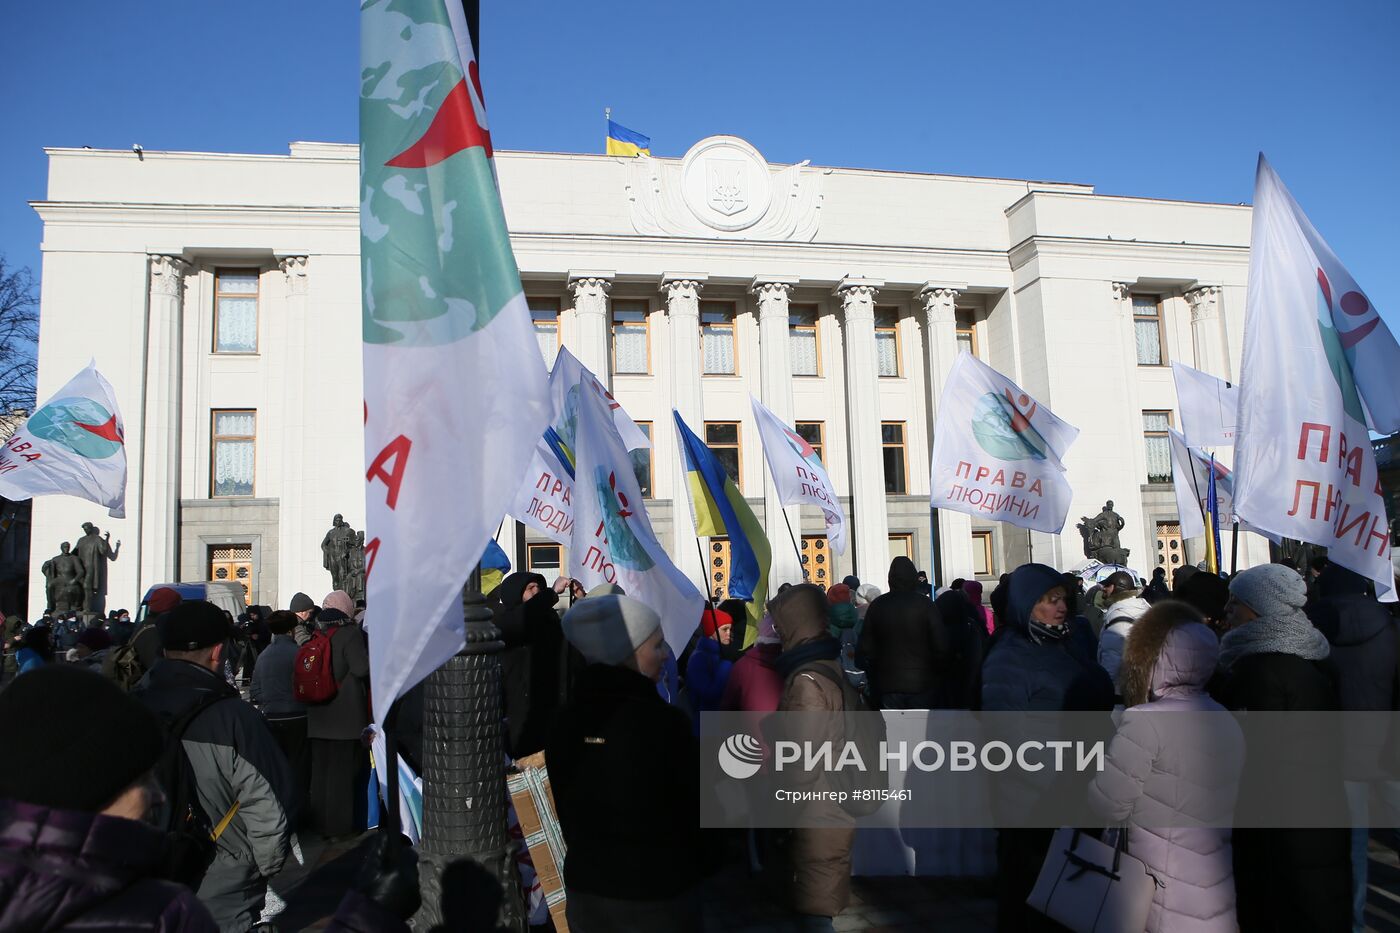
(168,276)
(682,289)
(1123,291)
(1204,302)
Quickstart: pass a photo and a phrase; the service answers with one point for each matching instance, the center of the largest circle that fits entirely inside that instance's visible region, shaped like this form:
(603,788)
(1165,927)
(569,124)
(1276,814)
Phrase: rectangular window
(1159,445)
(717,338)
(236,311)
(1147,327)
(982,564)
(545,314)
(641,462)
(722,437)
(966,332)
(887,341)
(812,432)
(901,545)
(630,345)
(231,453)
(544,559)
(892,439)
(802,337)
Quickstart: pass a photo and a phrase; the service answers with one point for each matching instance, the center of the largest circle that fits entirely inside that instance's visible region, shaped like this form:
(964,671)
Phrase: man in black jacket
(339,759)
(905,647)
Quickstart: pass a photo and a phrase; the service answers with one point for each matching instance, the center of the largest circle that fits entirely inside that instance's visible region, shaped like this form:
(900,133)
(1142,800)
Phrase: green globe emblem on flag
(625,549)
(79,425)
(1003,431)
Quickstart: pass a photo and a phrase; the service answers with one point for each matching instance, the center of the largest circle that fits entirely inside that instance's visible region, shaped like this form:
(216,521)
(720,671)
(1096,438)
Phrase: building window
(896,476)
(717,338)
(1159,445)
(982,564)
(966,332)
(236,311)
(802,337)
(887,341)
(234,438)
(641,462)
(1147,327)
(545,314)
(544,559)
(722,437)
(902,545)
(630,345)
(811,432)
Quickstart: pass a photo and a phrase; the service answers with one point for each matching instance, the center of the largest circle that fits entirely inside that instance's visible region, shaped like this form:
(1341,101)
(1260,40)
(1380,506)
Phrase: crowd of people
(175,762)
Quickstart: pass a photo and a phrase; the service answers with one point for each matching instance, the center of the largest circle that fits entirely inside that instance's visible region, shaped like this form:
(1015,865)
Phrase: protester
(625,773)
(242,779)
(1118,621)
(535,668)
(904,646)
(1156,590)
(866,594)
(707,670)
(1365,650)
(13,631)
(754,685)
(1207,594)
(998,602)
(1117,587)
(306,611)
(272,692)
(972,590)
(845,621)
(339,759)
(119,628)
(924,586)
(35,649)
(91,651)
(1273,659)
(259,636)
(818,859)
(967,645)
(1175,788)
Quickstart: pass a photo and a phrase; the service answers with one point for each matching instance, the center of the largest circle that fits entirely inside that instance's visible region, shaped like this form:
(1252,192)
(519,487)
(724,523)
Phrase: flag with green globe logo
(74,445)
(455,387)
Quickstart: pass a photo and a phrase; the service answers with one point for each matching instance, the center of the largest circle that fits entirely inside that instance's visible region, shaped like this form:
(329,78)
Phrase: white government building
(220,295)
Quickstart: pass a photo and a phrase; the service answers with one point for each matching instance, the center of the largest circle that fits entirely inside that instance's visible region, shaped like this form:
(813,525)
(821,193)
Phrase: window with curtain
(722,437)
(902,545)
(1158,442)
(231,454)
(1147,326)
(887,341)
(641,462)
(811,432)
(717,338)
(545,314)
(966,332)
(236,311)
(892,440)
(982,565)
(629,337)
(802,338)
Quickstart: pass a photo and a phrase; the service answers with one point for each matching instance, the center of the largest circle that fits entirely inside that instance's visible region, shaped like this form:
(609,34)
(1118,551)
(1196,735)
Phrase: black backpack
(866,728)
(188,828)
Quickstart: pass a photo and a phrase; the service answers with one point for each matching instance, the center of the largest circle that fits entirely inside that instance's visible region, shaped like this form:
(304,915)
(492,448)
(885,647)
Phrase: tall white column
(1140,540)
(869,517)
(295,569)
(940,313)
(590,291)
(1208,331)
(775,382)
(682,293)
(160,466)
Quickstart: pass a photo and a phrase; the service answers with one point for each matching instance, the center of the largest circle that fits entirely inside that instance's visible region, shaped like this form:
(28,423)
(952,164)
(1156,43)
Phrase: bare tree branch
(19,338)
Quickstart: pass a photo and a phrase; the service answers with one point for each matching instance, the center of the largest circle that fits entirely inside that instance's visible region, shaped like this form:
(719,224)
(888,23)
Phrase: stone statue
(335,551)
(355,581)
(63,580)
(1100,533)
(95,550)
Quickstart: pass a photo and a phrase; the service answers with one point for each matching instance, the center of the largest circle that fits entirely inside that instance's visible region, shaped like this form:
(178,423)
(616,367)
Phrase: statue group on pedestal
(75,579)
(343,554)
(1100,535)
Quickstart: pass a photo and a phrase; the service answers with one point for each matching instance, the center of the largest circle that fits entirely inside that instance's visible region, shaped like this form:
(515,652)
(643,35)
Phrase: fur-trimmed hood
(1169,654)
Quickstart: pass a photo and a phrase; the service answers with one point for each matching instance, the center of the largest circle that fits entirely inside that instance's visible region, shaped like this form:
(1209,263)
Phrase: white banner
(1317,360)
(74,445)
(1209,406)
(568,374)
(997,452)
(613,541)
(798,473)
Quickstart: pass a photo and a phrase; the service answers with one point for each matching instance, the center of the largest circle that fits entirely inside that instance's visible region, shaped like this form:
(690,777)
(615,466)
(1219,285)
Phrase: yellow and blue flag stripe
(625,142)
(720,509)
(494,566)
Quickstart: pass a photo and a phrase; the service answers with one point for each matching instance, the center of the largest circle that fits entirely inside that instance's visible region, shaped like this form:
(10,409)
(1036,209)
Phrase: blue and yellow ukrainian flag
(720,509)
(625,142)
(494,566)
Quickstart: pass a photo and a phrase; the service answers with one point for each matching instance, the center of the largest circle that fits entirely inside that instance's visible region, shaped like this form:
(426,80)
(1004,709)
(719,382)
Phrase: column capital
(772,294)
(294,268)
(168,275)
(1123,291)
(1204,301)
(858,297)
(589,291)
(940,300)
(591,275)
(681,285)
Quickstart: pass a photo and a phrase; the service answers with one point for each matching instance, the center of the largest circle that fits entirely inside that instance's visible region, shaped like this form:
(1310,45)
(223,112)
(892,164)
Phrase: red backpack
(313,677)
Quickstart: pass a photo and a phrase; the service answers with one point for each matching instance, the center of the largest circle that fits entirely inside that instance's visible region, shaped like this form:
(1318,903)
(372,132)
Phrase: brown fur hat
(1145,641)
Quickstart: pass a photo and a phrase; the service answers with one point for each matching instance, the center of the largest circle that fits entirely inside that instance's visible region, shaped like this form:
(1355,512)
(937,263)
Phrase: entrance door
(230,563)
(1171,552)
(816,560)
(719,568)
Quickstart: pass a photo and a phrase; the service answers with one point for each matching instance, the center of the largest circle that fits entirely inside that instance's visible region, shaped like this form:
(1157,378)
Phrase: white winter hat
(609,629)
(1129,610)
(1271,590)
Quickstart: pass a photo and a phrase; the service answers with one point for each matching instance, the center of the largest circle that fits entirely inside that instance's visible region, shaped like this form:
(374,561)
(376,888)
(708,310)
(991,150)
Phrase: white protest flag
(798,473)
(455,388)
(998,452)
(1317,361)
(74,445)
(613,541)
(544,500)
(1208,405)
(1191,481)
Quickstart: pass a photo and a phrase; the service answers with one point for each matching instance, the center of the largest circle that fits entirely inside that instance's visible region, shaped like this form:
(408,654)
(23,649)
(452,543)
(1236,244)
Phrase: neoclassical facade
(220,295)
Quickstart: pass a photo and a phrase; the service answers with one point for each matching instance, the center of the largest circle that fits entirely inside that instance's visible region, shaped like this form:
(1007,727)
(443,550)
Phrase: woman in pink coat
(972,589)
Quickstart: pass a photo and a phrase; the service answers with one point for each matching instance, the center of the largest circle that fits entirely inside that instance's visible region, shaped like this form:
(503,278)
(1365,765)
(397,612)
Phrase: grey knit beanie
(1271,590)
(609,629)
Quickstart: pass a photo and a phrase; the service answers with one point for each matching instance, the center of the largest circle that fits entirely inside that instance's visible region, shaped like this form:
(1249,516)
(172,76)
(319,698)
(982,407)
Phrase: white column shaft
(591,312)
(160,468)
(775,381)
(954,528)
(683,325)
(1208,332)
(869,517)
(295,566)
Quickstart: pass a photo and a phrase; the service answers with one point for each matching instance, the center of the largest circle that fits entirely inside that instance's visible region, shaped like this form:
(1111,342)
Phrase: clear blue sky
(1162,100)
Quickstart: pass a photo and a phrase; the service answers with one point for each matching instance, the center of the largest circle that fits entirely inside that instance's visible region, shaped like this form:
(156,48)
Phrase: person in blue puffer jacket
(707,669)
